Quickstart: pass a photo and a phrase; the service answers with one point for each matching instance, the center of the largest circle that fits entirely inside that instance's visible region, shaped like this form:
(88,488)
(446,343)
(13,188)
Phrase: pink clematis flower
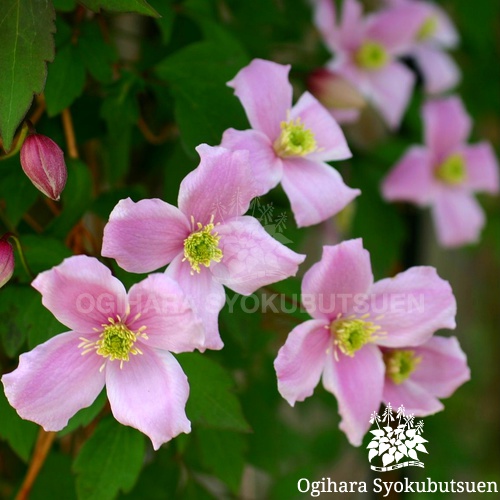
(207,240)
(416,377)
(445,173)
(118,340)
(436,35)
(290,144)
(366,49)
(352,317)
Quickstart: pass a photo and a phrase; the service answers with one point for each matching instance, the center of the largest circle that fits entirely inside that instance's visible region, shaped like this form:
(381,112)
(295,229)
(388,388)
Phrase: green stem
(15,239)
(20,141)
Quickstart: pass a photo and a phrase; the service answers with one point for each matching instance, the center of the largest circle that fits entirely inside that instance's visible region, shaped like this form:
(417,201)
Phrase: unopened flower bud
(6,262)
(43,162)
(333,91)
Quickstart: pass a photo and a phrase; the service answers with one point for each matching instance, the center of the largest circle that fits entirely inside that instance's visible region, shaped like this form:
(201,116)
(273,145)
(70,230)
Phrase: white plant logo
(399,438)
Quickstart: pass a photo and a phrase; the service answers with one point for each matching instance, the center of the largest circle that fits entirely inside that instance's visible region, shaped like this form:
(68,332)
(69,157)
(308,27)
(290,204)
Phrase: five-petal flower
(207,240)
(446,172)
(352,317)
(120,340)
(290,144)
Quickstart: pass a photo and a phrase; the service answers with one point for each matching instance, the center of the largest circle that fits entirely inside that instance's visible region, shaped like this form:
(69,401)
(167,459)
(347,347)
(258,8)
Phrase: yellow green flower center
(428,29)
(351,334)
(400,364)
(452,170)
(116,341)
(202,247)
(371,55)
(295,139)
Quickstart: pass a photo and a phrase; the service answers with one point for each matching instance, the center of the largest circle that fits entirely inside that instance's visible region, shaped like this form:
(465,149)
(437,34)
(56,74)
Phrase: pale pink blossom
(417,376)
(446,172)
(352,318)
(366,49)
(436,35)
(290,144)
(120,340)
(207,240)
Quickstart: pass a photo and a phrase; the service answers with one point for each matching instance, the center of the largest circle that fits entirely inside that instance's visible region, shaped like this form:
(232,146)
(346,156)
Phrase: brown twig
(42,447)
(167,132)
(69,133)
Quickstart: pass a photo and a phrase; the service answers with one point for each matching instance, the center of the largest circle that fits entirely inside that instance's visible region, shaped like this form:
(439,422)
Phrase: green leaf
(139,6)
(222,453)
(211,402)
(66,79)
(197,76)
(109,461)
(85,415)
(166,21)
(75,198)
(55,480)
(19,433)
(26,44)
(97,55)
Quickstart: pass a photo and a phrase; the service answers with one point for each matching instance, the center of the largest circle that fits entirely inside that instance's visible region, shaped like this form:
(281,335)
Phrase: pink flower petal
(447,125)
(352,26)
(391,89)
(144,236)
(411,306)
(149,393)
(482,167)
(458,218)
(205,294)
(267,168)
(329,287)
(329,137)
(251,257)
(412,179)
(412,396)
(325,21)
(443,366)
(166,312)
(265,93)
(446,34)
(81,293)
(357,383)
(316,190)
(396,27)
(54,381)
(301,360)
(440,71)
(221,187)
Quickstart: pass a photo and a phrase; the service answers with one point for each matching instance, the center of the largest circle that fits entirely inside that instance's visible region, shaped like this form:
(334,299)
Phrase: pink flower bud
(6,262)
(333,91)
(43,162)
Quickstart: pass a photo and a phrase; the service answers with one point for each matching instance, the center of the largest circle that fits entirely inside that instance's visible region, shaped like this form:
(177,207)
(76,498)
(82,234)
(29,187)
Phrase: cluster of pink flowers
(364,351)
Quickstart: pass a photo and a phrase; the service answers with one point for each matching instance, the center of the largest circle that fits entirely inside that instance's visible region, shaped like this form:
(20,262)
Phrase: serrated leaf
(26,45)
(197,76)
(139,6)
(421,447)
(109,461)
(211,402)
(371,454)
(66,79)
(387,459)
(19,433)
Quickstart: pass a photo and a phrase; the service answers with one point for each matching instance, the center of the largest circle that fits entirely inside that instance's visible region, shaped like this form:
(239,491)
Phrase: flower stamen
(400,364)
(452,170)
(295,139)
(371,55)
(202,247)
